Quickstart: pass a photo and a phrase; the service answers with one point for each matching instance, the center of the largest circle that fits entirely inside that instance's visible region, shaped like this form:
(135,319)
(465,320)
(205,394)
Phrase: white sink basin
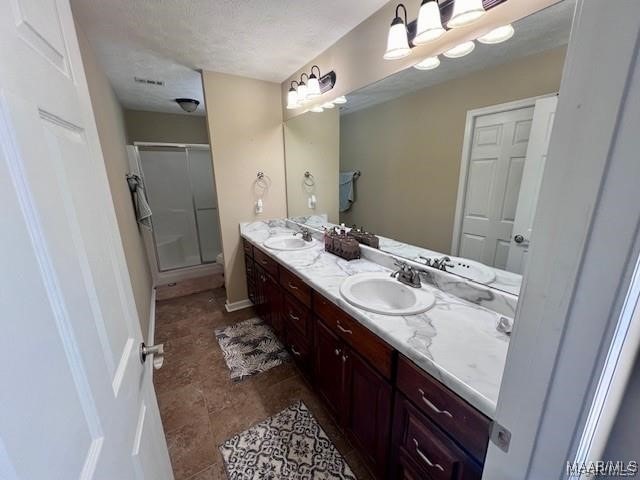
(475,271)
(379,293)
(288,242)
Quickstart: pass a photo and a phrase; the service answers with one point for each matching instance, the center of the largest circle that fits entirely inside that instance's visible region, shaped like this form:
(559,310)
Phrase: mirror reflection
(443,166)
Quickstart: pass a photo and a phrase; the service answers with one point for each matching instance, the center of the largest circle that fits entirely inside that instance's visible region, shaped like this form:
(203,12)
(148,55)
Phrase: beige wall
(357,57)
(110,123)
(312,143)
(165,127)
(409,149)
(245,121)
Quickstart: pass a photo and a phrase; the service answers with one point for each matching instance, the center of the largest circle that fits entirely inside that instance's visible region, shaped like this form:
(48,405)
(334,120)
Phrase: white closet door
(545,111)
(75,402)
(496,163)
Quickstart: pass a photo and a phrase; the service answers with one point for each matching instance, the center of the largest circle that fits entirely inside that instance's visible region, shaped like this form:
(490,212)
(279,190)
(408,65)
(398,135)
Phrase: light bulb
(328,105)
(317,109)
(428,63)
(497,35)
(465,12)
(340,100)
(397,41)
(302,92)
(429,23)
(313,87)
(461,50)
(292,99)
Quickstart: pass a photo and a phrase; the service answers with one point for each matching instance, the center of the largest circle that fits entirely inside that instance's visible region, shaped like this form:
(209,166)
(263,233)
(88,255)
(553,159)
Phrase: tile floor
(201,407)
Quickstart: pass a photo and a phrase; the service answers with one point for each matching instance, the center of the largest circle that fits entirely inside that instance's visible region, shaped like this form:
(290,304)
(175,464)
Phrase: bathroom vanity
(414,404)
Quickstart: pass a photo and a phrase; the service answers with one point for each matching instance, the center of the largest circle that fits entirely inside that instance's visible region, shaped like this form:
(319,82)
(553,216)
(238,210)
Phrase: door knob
(156,351)
(518,238)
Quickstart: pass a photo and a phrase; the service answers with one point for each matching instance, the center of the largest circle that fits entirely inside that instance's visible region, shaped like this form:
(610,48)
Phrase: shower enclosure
(180,188)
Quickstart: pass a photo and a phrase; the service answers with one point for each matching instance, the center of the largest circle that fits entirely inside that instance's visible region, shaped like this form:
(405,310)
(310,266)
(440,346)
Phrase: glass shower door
(169,191)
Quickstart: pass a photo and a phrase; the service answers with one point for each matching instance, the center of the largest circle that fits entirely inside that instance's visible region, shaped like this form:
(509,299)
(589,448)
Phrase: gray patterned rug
(250,347)
(289,445)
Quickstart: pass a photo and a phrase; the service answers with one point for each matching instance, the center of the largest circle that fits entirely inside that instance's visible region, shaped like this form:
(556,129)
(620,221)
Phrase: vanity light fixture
(428,63)
(497,35)
(429,23)
(302,89)
(398,39)
(313,85)
(292,97)
(460,50)
(465,12)
(341,100)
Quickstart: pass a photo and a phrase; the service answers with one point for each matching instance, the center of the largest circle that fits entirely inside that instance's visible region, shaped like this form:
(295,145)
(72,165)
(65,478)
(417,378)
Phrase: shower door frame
(179,273)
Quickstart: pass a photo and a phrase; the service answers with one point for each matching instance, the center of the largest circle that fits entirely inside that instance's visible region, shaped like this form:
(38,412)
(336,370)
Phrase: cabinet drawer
(300,348)
(248,248)
(366,343)
(295,286)
(462,421)
(266,262)
(428,447)
(297,315)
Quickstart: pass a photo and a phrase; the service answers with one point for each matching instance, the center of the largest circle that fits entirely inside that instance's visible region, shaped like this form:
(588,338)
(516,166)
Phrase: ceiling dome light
(292,97)
(429,23)
(328,105)
(340,100)
(428,63)
(189,105)
(317,109)
(461,50)
(302,89)
(497,35)
(313,86)
(398,41)
(465,12)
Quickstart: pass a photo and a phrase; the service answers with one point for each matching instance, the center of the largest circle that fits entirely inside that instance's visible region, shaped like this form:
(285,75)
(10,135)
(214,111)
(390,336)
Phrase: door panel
(329,369)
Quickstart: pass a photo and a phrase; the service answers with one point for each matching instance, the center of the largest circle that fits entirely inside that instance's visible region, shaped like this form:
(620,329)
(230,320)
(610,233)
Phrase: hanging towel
(346,190)
(140,203)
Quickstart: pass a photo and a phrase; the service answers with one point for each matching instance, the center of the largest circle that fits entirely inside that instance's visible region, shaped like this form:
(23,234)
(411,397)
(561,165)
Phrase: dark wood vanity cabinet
(406,424)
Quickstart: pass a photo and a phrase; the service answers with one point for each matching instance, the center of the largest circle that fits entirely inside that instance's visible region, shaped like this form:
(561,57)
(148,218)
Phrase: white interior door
(543,115)
(76,402)
(496,162)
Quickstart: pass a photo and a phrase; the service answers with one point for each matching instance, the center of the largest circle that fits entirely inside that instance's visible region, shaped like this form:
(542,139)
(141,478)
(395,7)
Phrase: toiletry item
(312,202)
(341,244)
(259,206)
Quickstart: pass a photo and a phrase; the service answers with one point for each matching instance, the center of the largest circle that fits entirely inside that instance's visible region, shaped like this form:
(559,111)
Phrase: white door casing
(541,127)
(76,401)
(496,160)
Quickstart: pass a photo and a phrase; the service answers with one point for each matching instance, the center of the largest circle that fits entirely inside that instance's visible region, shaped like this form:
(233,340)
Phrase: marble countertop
(455,341)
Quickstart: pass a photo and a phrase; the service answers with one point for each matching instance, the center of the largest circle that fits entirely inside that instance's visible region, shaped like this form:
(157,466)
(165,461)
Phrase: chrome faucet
(407,274)
(306,234)
(439,263)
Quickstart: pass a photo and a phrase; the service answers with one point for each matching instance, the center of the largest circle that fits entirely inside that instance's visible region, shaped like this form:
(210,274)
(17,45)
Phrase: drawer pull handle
(342,329)
(425,459)
(293,317)
(264,262)
(294,351)
(292,287)
(344,358)
(337,351)
(432,406)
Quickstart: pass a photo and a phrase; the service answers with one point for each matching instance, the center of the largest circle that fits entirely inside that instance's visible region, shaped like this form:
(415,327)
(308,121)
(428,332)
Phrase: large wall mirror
(444,162)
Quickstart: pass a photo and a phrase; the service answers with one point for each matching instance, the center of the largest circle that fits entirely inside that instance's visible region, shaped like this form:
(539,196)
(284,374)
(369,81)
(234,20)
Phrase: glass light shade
(465,12)
(497,35)
(317,109)
(397,41)
(302,92)
(328,105)
(428,63)
(313,87)
(292,99)
(340,100)
(429,23)
(461,50)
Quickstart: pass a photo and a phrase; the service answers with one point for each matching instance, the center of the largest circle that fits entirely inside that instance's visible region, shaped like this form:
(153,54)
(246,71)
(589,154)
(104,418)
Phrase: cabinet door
(329,369)
(274,306)
(251,278)
(368,411)
(261,290)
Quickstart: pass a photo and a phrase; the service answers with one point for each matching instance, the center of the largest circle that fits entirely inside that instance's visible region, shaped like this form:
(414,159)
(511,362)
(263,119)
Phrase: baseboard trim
(234,306)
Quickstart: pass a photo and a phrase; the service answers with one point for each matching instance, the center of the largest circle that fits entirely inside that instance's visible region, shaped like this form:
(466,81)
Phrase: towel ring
(262,181)
(309,181)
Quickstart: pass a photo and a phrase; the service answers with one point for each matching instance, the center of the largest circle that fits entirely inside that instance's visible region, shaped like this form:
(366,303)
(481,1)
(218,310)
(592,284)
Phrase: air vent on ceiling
(148,81)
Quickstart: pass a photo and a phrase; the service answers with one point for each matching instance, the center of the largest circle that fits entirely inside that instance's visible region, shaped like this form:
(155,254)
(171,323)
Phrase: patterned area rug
(250,347)
(289,445)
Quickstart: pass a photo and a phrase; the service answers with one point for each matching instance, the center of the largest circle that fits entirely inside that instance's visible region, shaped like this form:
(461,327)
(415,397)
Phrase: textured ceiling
(544,30)
(170,40)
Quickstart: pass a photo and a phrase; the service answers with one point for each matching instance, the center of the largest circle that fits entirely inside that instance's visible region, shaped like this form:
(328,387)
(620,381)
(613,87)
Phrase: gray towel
(346,190)
(142,208)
